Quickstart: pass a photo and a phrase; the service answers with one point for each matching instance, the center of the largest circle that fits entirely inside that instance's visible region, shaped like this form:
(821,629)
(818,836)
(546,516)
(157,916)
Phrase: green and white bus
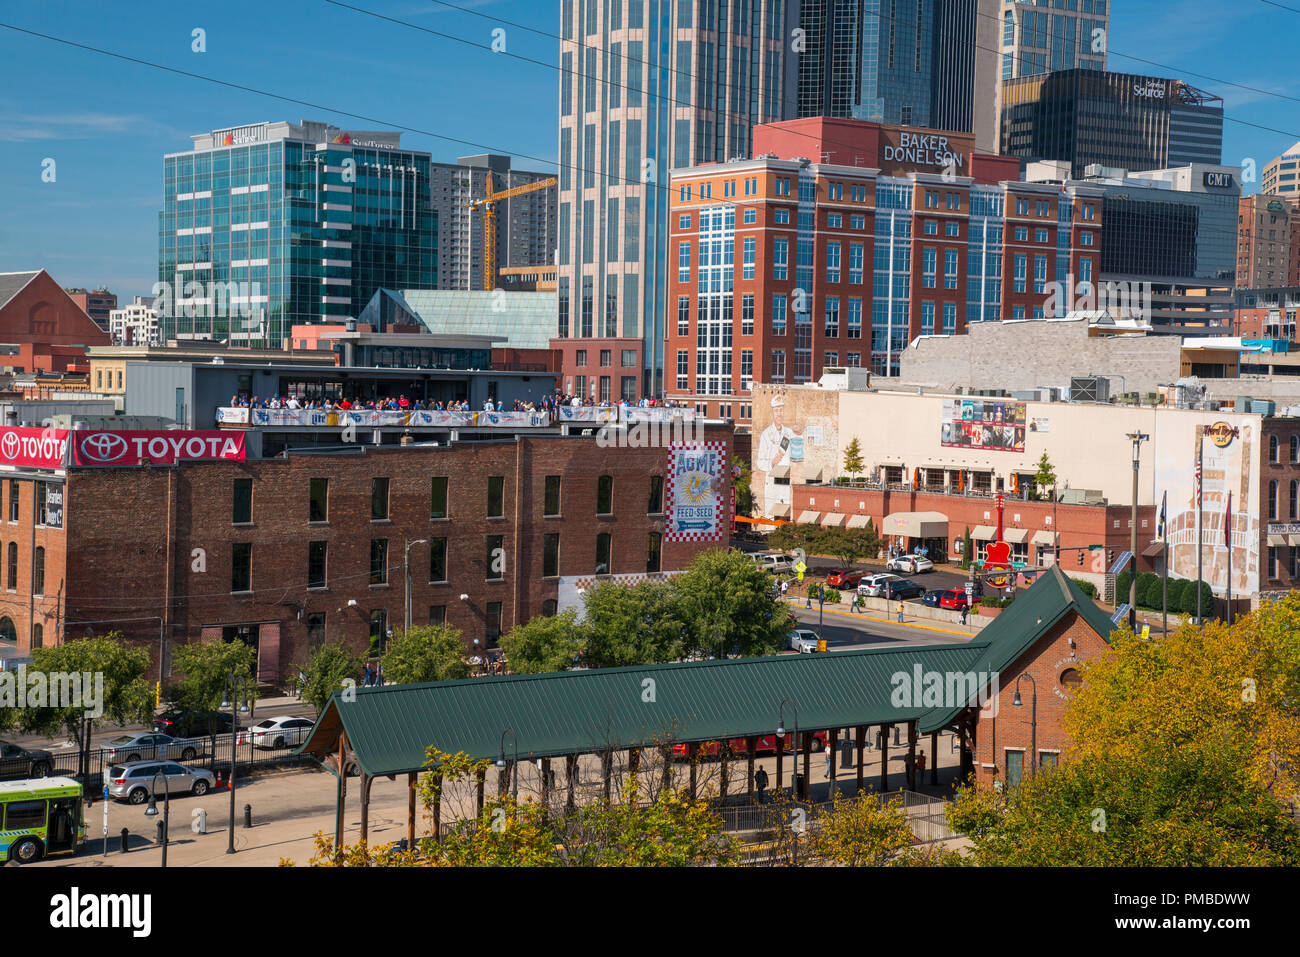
(40,817)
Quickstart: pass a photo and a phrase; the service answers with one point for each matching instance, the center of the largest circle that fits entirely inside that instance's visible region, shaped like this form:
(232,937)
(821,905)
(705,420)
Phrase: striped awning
(1016,536)
(808,517)
(1277,540)
(983,533)
(833,520)
(858,521)
(780,510)
(1044,538)
(1293,540)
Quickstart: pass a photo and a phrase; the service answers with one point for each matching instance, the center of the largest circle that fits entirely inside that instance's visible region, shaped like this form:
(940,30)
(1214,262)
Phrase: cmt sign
(118,448)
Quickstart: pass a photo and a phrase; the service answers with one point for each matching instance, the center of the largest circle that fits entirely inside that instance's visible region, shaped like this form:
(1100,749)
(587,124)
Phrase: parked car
(133,780)
(773,562)
(902,589)
(21,764)
(803,640)
(192,724)
(910,564)
(816,743)
(873,586)
(282,732)
(844,578)
(931,599)
(955,598)
(134,747)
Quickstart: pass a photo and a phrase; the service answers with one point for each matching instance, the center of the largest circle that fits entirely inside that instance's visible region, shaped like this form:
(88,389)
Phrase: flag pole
(1200,443)
(1227,536)
(1164,567)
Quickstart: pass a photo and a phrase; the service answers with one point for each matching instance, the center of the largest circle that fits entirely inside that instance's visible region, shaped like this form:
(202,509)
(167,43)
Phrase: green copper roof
(389,728)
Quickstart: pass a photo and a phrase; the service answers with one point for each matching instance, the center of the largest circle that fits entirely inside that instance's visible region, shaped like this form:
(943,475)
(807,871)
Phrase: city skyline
(107,123)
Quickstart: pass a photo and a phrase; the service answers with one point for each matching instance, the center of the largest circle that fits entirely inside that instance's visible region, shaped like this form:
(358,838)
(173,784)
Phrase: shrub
(1121,587)
(1148,590)
(832,596)
(996,602)
(1188,603)
(1085,586)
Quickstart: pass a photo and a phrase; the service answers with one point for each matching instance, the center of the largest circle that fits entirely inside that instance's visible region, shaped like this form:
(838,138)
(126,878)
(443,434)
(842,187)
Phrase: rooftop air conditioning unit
(1090,389)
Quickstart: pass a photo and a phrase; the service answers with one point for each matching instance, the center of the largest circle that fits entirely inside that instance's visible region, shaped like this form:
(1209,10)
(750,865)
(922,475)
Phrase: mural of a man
(774,443)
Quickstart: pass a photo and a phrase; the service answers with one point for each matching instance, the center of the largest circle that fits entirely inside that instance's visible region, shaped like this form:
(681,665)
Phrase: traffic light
(1079,555)
(1110,556)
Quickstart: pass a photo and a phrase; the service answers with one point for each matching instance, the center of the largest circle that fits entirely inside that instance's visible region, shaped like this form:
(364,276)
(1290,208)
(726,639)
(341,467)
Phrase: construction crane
(488,205)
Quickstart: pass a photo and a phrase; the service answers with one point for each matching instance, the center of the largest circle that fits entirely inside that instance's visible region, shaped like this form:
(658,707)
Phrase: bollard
(248,815)
(125,834)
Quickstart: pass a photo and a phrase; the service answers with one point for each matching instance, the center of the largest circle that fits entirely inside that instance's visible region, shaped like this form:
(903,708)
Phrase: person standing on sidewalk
(965,610)
(830,763)
(760,782)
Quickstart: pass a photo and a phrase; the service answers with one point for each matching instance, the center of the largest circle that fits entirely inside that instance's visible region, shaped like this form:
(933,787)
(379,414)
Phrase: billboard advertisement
(135,447)
(33,448)
(1228,451)
(985,424)
(694,491)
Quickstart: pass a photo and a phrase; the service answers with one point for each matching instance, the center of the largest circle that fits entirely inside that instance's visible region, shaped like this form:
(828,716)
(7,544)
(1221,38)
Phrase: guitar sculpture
(997,555)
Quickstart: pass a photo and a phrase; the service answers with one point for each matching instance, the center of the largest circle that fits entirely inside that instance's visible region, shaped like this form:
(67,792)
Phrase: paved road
(844,629)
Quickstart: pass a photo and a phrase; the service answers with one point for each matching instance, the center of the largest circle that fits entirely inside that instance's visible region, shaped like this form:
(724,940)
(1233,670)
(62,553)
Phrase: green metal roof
(1034,612)
(389,729)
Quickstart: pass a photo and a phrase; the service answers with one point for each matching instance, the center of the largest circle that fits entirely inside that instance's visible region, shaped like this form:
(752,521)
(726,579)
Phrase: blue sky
(107,123)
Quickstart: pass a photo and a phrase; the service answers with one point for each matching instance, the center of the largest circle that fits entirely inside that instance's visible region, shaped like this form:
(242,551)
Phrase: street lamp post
(406,564)
(234,684)
(1137,438)
(794,771)
(514,771)
(152,809)
(1033,719)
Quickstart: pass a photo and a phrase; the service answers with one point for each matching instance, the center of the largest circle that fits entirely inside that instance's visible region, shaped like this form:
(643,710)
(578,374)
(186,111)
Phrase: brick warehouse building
(780,266)
(292,551)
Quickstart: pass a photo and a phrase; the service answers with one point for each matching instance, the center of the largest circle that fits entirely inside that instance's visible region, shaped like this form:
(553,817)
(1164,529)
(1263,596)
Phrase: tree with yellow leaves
(1186,752)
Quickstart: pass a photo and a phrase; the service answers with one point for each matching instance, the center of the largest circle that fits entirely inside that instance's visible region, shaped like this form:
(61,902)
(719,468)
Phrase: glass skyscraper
(276,224)
(912,63)
(647,86)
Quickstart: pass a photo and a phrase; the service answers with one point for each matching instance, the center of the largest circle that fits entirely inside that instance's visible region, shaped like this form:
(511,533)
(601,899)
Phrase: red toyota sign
(157,447)
(33,448)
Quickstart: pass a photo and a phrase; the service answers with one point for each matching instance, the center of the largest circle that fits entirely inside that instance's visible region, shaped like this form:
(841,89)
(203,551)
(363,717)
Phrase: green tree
(328,670)
(1186,752)
(205,668)
(853,458)
(117,674)
(726,602)
(1045,477)
(637,624)
(967,549)
(546,643)
(1187,604)
(743,485)
(860,832)
(425,653)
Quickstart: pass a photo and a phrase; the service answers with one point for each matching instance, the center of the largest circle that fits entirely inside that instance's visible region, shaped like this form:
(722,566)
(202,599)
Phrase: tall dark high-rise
(927,63)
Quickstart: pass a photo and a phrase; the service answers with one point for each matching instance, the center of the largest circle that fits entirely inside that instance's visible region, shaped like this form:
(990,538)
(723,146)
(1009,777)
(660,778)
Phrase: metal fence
(925,814)
(210,753)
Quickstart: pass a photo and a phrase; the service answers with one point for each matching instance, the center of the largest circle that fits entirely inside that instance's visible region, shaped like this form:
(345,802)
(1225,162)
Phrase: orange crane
(488,205)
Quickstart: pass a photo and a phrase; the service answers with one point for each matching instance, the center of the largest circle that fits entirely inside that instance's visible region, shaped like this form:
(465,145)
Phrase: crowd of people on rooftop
(548,404)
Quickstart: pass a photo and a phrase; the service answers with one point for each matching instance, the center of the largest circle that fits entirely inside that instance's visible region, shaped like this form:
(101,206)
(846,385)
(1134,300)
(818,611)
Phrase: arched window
(1272,500)
(1295,448)
(1272,448)
(38,636)
(12,581)
(38,572)
(1294,499)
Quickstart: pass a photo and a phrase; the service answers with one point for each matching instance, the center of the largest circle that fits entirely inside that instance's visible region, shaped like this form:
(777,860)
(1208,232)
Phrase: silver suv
(133,781)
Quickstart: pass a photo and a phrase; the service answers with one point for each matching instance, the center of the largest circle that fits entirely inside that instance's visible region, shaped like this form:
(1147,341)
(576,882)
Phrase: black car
(902,588)
(192,724)
(19,764)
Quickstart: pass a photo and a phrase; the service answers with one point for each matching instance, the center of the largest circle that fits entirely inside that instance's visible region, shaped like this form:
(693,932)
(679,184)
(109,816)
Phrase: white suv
(873,586)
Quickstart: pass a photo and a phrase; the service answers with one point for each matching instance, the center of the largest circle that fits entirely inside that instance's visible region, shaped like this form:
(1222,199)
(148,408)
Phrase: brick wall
(160,541)
(1011,727)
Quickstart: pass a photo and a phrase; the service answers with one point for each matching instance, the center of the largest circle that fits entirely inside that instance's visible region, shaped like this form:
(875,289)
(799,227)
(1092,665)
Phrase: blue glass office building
(276,224)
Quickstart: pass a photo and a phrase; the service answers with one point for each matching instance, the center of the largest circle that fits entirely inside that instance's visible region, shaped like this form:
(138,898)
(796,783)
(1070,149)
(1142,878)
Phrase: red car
(764,745)
(844,578)
(956,599)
